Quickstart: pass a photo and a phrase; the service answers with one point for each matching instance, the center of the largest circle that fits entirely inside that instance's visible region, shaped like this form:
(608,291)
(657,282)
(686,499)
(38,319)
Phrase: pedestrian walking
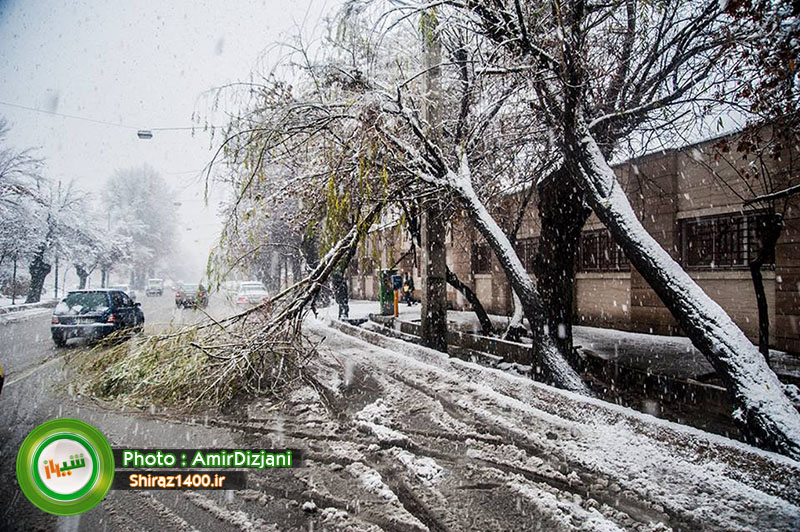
(340,294)
(408,289)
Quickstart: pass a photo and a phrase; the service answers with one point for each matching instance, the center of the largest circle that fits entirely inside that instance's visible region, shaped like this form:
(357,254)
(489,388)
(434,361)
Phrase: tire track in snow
(639,512)
(392,376)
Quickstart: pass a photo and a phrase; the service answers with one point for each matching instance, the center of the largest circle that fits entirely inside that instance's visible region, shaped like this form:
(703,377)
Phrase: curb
(28,306)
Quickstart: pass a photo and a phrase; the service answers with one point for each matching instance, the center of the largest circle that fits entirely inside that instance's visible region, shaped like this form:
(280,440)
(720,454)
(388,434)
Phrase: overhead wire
(113,124)
(64,115)
(103,122)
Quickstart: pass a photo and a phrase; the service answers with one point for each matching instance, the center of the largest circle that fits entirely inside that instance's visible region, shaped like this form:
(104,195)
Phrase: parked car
(251,293)
(125,288)
(94,314)
(191,295)
(155,287)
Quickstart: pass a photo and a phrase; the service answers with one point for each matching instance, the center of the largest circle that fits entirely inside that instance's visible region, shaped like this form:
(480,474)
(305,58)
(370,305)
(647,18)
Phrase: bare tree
(59,218)
(355,126)
(683,51)
(766,186)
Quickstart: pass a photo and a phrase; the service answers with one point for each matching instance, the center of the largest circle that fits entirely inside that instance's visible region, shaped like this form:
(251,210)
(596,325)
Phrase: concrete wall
(603,299)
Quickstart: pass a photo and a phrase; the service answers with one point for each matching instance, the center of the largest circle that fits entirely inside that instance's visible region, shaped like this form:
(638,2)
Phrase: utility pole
(14,282)
(55,284)
(432,228)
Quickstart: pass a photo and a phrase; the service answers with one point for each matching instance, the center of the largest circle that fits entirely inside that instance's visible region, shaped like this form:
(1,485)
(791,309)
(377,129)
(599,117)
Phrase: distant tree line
(47,224)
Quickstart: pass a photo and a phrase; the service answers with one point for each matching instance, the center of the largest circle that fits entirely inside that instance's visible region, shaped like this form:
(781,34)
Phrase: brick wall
(664,188)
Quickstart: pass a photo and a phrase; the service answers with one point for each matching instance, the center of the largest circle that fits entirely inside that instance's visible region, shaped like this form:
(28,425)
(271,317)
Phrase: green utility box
(386,292)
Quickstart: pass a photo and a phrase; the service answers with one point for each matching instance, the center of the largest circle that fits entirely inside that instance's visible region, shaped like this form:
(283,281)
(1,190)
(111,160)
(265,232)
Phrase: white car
(155,287)
(251,293)
(125,288)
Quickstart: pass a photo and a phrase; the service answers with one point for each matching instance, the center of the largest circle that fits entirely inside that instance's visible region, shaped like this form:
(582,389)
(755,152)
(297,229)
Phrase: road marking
(29,372)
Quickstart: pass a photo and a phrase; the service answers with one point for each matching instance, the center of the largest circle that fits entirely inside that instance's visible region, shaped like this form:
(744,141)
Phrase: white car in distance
(251,293)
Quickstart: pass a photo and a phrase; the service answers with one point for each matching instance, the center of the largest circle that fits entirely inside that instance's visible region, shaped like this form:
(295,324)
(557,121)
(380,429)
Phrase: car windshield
(190,287)
(83,302)
(253,287)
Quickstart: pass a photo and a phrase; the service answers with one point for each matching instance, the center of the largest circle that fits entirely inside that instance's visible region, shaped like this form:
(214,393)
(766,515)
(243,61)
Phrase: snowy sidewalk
(6,306)
(20,312)
(674,356)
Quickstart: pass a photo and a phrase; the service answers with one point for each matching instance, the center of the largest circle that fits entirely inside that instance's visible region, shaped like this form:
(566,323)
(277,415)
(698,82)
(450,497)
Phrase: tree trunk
(412,220)
(39,270)
(762,410)
(433,314)
(310,251)
(83,275)
(563,213)
(516,330)
(297,272)
(774,226)
(472,298)
(274,272)
(549,364)
(763,309)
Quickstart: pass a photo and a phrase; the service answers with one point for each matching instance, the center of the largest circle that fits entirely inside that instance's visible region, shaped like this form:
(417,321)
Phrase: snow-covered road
(412,439)
(401,438)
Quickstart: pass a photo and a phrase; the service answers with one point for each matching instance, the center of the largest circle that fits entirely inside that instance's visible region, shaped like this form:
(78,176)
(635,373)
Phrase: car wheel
(59,340)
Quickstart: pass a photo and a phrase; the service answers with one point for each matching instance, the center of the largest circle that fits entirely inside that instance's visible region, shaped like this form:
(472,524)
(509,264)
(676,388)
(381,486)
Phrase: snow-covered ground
(21,315)
(400,437)
(20,301)
(21,311)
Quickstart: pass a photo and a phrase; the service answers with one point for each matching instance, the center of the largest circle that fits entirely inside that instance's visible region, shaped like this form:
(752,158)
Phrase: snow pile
(333,514)
(425,468)
(374,419)
(377,412)
(567,511)
(234,518)
(371,480)
(793,393)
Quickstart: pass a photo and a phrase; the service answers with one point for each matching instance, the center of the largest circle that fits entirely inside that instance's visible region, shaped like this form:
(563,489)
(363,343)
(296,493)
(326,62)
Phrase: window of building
(599,252)
(526,249)
(481,259)
(728,241)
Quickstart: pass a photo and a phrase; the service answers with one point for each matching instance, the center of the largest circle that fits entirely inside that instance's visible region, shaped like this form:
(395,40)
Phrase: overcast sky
(138,64)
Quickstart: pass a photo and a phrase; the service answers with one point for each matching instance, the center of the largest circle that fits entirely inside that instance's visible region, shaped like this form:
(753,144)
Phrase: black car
(94,314)
(191,296)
